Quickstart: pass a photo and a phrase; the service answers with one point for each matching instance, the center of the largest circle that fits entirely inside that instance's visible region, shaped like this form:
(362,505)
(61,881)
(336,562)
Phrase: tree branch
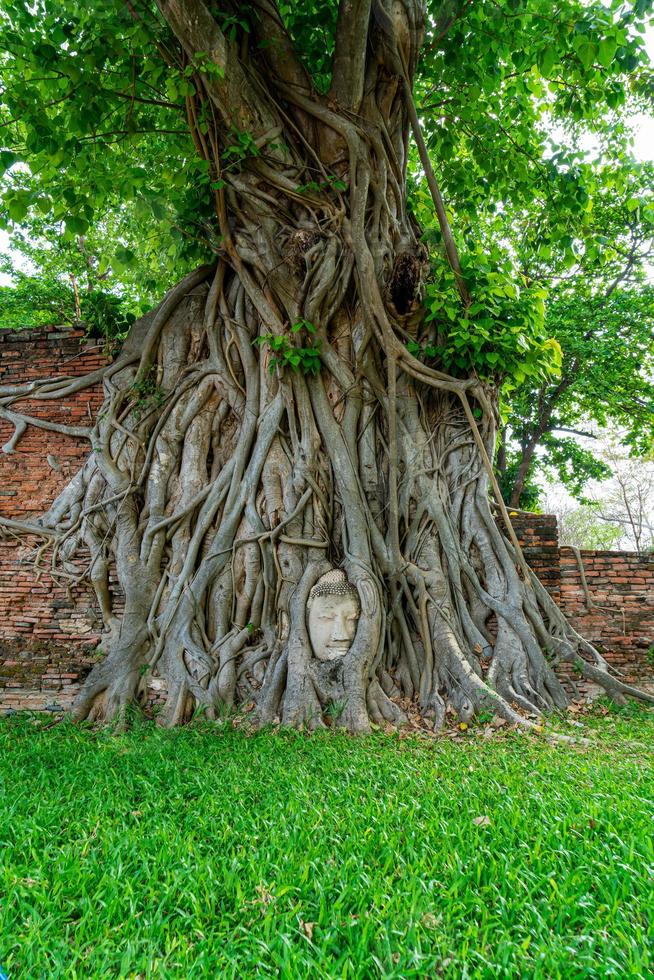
(136,98)
(545,411)
(350,53)
(217,61)
(622,275)
(574,432)
(279,51)
(27,527)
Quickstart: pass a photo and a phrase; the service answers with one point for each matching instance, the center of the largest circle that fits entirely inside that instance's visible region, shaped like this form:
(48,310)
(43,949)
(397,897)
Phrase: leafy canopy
(96,146)
(601,310)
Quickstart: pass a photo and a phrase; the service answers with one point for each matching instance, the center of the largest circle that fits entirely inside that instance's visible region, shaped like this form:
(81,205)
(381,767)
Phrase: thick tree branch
(279,51)
(79,431)
(217,61)
(574,432)
(26,527)
(350,53)
(541,428)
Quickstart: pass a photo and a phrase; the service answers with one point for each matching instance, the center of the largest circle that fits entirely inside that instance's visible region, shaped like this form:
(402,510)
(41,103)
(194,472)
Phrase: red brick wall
(48,630)
(621,586)
(539,536)
(28,483)
(35,610)
(620,619)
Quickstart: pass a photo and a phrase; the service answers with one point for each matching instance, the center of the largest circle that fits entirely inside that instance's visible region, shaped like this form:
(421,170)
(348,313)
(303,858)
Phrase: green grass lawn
(205,853)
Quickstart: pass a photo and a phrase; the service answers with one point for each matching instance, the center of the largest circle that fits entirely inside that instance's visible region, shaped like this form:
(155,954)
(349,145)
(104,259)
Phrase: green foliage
(148,394)
(286,354)
(231,25)
(501,337)
(573,464)
(102,261)
(105,316)
(608,367)
(531,496)
(312,26)
(210,854)
(304,325)
(86,94)
(35,301)
(503,76)
(318,187)
(241,145)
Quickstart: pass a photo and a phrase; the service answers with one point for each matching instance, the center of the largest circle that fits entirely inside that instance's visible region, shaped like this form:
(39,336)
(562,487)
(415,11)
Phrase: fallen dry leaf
(307,928)
(264,896)
(481,821)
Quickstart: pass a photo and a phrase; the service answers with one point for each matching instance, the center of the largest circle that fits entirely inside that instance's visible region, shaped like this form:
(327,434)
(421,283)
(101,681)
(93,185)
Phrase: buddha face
(332,619)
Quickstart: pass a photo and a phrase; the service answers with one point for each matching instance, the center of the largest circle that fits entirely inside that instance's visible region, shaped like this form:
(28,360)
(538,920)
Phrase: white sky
(643,124)
(644,137)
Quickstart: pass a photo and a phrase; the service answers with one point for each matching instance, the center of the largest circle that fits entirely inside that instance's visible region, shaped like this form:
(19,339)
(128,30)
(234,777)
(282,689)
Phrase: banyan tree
(273,435)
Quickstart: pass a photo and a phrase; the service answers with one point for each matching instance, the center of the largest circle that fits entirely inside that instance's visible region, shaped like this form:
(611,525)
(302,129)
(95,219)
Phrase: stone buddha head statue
(333,611)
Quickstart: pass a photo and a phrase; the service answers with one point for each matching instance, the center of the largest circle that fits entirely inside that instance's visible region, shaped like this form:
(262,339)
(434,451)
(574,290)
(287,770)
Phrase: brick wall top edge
(34,333)
(632,556)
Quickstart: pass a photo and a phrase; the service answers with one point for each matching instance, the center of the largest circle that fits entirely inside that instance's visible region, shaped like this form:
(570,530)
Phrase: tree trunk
(266,423)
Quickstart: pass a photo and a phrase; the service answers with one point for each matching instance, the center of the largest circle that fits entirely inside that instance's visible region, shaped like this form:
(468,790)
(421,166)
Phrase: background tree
(33,300)
(291,404)
(629,503)
(601,312)
(583,527)
(618,512)
(99,261)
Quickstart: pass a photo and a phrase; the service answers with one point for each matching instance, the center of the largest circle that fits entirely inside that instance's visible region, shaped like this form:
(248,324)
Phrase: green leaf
(7,159)
(587,53)
(606,51)
(124,257)
(76,225)
(17,208)
(548,58)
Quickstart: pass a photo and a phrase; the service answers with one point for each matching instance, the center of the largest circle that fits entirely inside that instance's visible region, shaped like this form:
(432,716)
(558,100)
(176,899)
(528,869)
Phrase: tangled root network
(266,424)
